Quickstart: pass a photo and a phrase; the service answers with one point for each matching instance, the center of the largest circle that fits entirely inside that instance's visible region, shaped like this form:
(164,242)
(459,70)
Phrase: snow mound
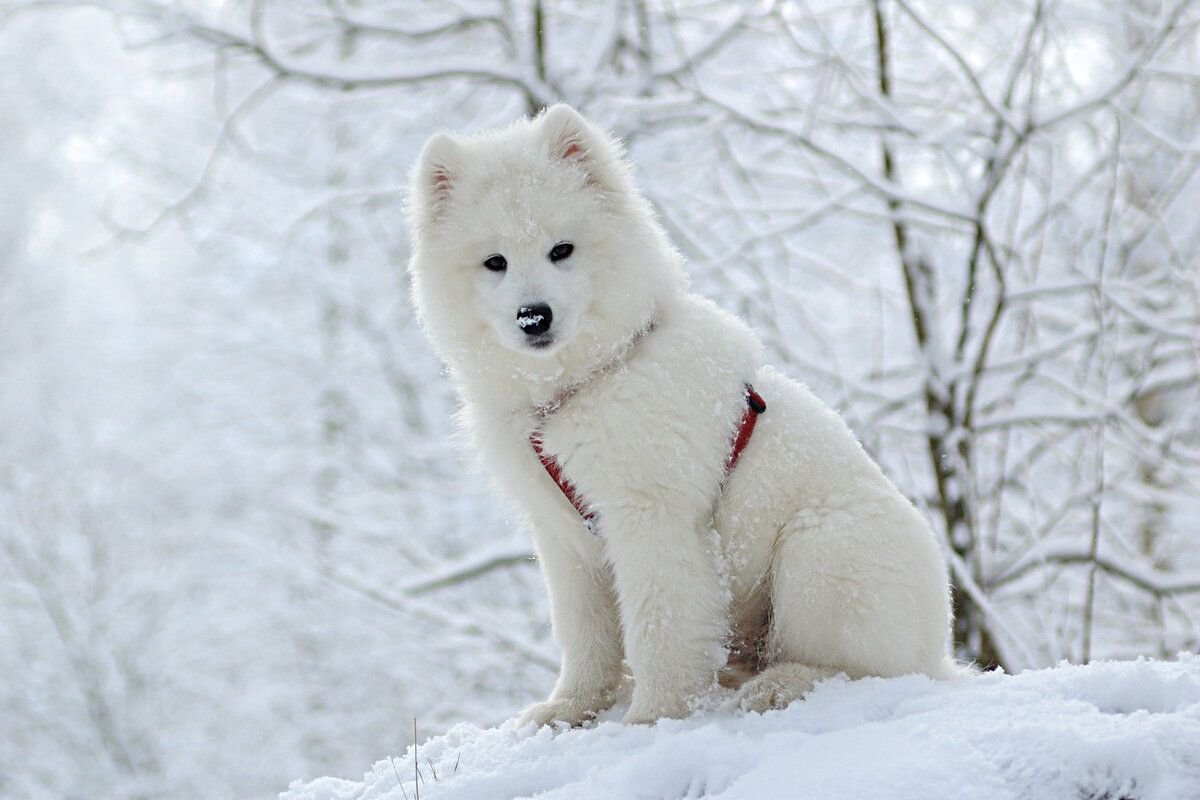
(1107,731)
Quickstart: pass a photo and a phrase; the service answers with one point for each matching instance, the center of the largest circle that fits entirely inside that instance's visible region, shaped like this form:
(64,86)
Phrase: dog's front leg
(584,614)
(673,608)
(583,607)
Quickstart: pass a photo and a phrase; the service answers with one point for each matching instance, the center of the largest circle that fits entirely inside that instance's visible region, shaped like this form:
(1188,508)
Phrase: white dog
(609,402)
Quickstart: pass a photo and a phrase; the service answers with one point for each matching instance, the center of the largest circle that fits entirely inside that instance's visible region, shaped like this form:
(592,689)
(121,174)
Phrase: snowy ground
(1102,732)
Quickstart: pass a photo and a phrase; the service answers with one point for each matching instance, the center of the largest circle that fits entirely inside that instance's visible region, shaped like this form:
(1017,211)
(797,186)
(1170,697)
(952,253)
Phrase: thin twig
(399,782)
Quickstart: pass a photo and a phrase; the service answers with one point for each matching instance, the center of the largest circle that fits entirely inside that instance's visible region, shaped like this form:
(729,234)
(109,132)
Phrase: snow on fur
(1107,730)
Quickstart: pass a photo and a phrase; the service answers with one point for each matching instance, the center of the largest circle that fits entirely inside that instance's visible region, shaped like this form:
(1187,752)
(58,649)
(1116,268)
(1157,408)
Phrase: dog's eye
(561,250)
(496,263)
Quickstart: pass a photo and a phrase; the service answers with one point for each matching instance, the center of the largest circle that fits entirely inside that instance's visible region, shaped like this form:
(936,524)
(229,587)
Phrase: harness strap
(755,405)
(564,485)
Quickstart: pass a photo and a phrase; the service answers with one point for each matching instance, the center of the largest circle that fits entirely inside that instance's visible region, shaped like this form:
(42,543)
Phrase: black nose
(535,319)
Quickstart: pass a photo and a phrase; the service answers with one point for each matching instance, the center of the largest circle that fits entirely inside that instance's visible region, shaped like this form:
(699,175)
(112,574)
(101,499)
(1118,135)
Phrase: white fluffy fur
(806,530)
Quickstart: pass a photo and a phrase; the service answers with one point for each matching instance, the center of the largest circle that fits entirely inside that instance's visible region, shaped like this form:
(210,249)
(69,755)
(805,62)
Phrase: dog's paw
(571,710)
(647,713)
(779,686)
(636,716)
(765,695)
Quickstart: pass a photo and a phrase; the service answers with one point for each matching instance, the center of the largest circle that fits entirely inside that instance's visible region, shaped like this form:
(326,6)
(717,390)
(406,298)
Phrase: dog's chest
(583,439)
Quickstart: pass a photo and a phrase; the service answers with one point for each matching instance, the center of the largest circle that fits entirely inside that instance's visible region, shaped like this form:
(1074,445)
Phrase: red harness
(754,406)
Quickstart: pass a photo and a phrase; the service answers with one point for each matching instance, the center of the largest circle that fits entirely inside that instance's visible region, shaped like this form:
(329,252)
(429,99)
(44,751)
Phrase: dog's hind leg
(857,586)
(786,677)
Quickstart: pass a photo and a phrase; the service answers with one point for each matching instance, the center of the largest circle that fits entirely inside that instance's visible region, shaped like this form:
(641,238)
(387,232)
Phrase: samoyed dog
(689,536)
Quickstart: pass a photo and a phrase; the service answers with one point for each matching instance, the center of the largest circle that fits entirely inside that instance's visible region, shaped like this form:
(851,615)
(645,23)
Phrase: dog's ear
(438,169)
(572,138)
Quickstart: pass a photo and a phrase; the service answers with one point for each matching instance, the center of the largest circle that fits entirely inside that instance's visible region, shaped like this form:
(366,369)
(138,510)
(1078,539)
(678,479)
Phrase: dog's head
(533,238)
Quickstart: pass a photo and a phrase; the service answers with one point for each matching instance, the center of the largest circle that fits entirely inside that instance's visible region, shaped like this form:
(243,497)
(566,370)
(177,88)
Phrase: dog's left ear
(433,181)
(572,138)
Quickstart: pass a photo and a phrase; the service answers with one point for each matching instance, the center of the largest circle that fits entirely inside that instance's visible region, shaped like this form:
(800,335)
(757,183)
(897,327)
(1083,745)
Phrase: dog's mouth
(543,342)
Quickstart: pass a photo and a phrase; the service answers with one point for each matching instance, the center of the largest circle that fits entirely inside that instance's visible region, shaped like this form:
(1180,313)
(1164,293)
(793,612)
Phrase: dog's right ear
(438,170)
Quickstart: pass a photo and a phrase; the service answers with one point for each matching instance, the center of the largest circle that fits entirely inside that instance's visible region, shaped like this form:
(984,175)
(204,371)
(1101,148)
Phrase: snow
(1107,730)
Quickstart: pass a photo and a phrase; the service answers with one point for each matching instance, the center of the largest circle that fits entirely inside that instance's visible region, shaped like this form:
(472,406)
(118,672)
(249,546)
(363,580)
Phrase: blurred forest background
(237,542)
